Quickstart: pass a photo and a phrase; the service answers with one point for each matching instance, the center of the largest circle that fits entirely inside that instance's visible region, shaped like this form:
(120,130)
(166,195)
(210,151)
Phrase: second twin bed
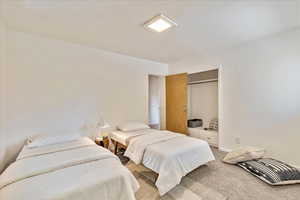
(169,154)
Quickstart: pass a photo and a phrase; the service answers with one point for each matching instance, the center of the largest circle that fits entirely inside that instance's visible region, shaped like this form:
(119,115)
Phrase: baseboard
(224,149)
(298,167)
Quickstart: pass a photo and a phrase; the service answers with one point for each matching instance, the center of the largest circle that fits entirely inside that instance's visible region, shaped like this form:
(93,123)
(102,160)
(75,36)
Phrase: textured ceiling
(117,25)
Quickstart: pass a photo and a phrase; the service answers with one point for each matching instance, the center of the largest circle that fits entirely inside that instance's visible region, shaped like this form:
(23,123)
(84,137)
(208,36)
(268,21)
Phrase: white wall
(2,78)
(2,63)
(189,66)
(2,58)
(54,85)
(260,94)
(203,100)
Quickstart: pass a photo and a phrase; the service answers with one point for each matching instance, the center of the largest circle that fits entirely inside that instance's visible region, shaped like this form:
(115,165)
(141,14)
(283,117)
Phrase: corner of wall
(3,54)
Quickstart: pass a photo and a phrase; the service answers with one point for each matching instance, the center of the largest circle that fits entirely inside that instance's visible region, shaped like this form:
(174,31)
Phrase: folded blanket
(136,148)
(48,149)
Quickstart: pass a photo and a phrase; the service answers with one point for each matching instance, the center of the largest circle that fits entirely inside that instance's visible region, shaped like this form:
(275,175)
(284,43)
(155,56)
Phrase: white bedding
(124,137)
(75,170)
(171,155)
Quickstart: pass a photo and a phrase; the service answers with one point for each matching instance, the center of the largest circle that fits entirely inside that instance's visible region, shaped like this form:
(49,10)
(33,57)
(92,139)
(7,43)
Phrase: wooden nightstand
(102,141)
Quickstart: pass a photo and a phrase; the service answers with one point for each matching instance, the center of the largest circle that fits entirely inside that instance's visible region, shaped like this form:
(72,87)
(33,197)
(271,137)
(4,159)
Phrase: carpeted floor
(214,181)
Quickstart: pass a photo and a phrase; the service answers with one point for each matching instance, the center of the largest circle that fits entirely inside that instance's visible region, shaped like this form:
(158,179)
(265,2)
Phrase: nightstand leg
(116,148)
(102,143)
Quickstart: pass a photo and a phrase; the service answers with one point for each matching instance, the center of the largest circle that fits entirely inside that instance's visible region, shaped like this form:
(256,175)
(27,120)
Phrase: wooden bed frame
(117,145)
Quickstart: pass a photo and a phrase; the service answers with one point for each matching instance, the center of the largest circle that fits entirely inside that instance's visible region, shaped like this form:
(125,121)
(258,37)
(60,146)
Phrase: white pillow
(244,154)
(49,139)
(132,126)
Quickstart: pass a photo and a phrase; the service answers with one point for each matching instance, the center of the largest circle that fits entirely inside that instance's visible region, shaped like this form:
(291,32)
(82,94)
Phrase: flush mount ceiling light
(159,23)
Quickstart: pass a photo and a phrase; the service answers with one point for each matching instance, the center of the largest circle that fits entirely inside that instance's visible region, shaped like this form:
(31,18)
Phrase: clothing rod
(199,82)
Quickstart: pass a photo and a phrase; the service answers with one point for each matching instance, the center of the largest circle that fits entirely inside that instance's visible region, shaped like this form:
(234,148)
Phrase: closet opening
(203,110)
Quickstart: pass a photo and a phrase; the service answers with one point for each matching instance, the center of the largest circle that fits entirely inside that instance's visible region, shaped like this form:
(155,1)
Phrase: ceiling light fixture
(159,23)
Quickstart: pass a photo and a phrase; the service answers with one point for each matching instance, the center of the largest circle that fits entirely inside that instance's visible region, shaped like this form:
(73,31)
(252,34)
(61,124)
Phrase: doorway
(155,101)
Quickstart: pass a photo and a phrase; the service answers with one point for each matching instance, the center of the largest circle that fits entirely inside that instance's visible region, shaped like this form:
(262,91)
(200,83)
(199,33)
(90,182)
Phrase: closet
(192,105)
(202,93)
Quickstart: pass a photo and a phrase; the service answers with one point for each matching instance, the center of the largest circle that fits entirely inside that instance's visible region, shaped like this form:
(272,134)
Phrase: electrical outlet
(238,140)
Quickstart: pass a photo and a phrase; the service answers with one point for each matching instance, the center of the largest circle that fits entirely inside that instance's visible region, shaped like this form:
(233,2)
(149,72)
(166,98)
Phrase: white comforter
(169,154)
(75,170)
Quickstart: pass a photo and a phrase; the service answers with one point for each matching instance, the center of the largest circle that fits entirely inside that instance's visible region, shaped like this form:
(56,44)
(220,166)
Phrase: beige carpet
(214,181)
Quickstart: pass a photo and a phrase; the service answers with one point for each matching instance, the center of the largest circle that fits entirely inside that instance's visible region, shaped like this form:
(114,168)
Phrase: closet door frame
(221,132)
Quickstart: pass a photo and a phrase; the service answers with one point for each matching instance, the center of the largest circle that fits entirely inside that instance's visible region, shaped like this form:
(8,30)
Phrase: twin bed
(80,169)
(170,155)
(73,170)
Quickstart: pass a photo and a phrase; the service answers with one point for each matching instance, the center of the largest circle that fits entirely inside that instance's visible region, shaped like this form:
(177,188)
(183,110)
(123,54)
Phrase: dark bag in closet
(193,123)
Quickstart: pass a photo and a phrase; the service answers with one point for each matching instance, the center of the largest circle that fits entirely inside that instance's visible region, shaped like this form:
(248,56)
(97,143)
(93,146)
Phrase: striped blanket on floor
(272,171)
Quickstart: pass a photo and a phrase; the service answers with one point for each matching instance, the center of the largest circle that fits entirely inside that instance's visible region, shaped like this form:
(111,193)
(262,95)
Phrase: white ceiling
(116,25)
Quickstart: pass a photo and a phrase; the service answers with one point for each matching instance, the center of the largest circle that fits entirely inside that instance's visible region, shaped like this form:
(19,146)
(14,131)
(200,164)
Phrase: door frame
(220,100)
(220,107)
